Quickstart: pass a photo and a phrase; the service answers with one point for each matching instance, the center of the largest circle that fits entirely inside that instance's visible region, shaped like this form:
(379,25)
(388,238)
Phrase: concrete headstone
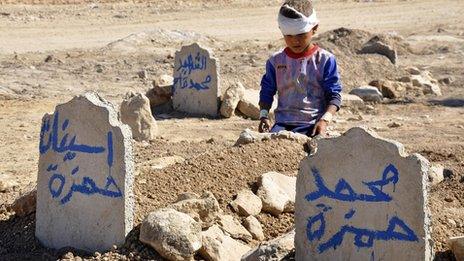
(196,81)
(359,197)
(84,184)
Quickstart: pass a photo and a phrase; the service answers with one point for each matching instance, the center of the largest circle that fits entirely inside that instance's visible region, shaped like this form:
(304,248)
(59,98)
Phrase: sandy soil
(103,46)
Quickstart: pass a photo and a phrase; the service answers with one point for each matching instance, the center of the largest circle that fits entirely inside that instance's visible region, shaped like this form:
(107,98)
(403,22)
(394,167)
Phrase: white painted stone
(136,112)
(84,184)
(231,98)
(368,93)
(351,101)
(231,226)
(196,81)
(457,246)
(220,247)
(436,174)
(247,203)
(276,249)
(174,235)
(277,192)
(204,210)
(249,104)
(342,211)
(253,225)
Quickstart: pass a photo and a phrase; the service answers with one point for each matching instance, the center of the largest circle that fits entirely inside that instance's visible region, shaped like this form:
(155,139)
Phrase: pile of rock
(197,225)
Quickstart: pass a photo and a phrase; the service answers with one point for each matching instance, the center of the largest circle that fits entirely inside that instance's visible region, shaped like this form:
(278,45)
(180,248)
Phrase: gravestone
(84,184)
(196,81)
(359,197)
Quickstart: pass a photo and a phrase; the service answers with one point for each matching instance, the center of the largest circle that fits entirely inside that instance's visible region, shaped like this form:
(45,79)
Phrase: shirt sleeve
(331,83)
(268,85)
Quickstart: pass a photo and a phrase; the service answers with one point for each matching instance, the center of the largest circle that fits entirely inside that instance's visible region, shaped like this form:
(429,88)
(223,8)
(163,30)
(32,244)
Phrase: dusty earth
(54,50)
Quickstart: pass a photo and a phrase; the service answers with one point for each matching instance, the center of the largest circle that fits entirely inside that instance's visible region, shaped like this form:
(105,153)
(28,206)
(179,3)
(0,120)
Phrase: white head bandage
(289,26)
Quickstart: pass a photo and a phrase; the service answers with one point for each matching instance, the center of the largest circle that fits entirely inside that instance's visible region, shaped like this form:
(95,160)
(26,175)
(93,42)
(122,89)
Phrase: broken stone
(94,181)
(231,98)
(374,186)
(368,93)
(248,136)
(249,105)
(136,112)
(25,204)
(196,81)
(436,174)
(277,192)
(351,101)
(218,247)
(247,203)
(374,45)
(457,246)
(161,92)
(174,235)
(389,89)
(254,227)
(394,125)
(204,210)
(275,250)
(428,84)
(231,226)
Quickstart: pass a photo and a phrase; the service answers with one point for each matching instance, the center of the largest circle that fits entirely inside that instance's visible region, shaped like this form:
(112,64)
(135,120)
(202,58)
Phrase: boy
(304,76)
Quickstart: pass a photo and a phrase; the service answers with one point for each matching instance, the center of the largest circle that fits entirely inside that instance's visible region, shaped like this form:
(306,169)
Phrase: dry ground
(242,35)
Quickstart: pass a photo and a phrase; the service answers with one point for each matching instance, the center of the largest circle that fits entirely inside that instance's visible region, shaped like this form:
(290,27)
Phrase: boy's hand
(320,128)
(264,125)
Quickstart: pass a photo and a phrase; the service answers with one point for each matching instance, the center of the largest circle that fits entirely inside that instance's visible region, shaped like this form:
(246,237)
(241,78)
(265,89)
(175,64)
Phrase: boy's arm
(266,96)
(332,87)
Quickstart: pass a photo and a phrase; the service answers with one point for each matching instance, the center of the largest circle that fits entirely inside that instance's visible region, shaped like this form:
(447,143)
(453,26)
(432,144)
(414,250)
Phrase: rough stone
(247,203)
(374,45)
(371,203)
(436,174)
(231,98)
(231,226)
(161,92)
(413,70)
(174,235)
(248,136)
(273,250)
(390,89)
(351,101)
(204,210)
(428,84)
(163,80)
(25,204)
(457,246)
(196,81)
(368,93)
(85,173)
(249,105)
(254,227)
(277,192)
(220,247)
(136,112)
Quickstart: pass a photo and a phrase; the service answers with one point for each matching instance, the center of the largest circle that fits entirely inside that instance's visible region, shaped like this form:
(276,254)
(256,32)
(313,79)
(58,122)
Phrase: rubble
(277,192)
(368,93)
(247,203)
(254,227)
(204,210)
(136,112)
(231,98)
(231,226)
(218,246)
(275,249)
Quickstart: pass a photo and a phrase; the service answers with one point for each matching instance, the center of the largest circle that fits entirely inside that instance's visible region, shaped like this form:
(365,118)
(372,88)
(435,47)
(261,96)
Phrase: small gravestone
(196,81)
(359,197)
(84,184)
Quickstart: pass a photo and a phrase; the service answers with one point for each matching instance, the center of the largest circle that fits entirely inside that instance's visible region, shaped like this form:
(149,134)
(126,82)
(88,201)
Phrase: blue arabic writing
(186,68)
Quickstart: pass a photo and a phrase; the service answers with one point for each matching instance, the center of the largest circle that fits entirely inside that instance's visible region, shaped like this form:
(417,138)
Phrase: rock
(234,228)
(446,80)
(276,249)
(164,162)
(161,92)
(389,89)
(7,184)
(436,174)
(428,84)
(204,210)
(231,98)
(368,93)
(457,246)
(186,195)
(220,247)
(84,175)
(374,45)
(248,136)
(351,101)
(254,227)
(143,74)
(136,112)
(395,125)
(196,81)
(374,186)
(277,192)
(413,70)
(163,80)
(174,235)
(247,203)
(249,105)
(25,204)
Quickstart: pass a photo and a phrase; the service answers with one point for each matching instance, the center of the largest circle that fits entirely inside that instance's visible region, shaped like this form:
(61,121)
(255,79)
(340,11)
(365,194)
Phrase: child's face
(299,43)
